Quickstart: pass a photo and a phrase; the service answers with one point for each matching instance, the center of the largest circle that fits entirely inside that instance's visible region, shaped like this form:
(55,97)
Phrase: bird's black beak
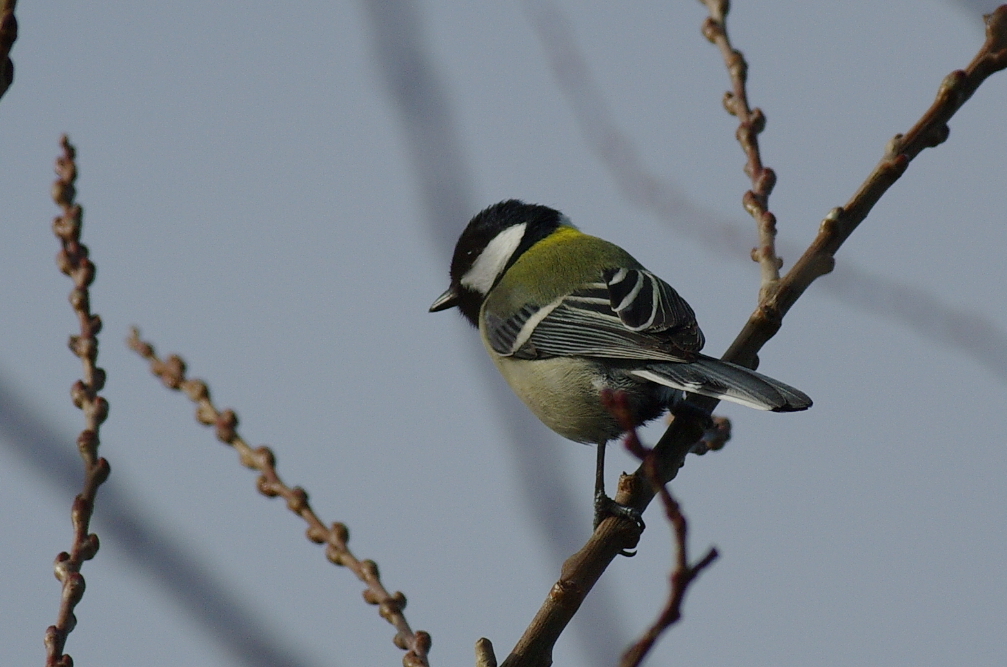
(447,300)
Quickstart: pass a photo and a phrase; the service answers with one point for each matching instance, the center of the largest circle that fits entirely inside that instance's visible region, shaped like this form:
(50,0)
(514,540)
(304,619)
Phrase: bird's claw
(605,507)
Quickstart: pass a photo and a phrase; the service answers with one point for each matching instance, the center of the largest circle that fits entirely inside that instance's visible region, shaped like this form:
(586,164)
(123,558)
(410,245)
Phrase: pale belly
(563,394)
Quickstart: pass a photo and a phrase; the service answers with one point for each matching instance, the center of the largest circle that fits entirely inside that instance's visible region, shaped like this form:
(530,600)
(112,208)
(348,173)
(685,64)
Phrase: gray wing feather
(633,314)
(502,334)
(577,329)
(720,379)
(636,316)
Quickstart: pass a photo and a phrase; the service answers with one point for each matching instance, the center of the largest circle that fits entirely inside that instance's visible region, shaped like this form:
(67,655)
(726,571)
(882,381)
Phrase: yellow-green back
(556,265)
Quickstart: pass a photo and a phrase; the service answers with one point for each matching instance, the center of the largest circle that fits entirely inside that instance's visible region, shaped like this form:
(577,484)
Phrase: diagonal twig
(73,260)
(171,372)
(683,573)
(681,578)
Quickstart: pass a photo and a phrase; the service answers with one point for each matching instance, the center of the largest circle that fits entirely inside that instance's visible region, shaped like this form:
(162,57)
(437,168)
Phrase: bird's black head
(492,241)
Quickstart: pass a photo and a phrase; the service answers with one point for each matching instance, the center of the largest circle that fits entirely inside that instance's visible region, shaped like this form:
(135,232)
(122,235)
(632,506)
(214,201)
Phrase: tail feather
(721,379)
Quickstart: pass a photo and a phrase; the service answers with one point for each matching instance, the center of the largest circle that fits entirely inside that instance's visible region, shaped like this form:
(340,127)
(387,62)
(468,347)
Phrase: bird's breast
(564,394)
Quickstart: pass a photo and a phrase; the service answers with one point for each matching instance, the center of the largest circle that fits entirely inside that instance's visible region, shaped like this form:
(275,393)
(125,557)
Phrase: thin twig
(751,122)
(72,260)
(8,35)
(581,571)
(171,372)
(680,579)
(929,131)
(683,574)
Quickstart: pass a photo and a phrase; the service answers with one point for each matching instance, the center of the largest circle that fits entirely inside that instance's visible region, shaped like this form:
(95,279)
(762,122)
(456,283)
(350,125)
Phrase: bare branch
(171,372)
(929,131)
(751,122)
(582,570)
(73,260)
(8,35)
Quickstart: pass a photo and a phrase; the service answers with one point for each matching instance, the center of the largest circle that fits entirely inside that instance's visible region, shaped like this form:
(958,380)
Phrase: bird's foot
(605,507)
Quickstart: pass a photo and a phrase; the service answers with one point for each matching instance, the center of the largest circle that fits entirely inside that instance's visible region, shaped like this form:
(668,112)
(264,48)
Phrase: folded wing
(635,316)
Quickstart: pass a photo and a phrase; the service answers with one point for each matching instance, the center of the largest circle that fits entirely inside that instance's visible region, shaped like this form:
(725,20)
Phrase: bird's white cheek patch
(491,262)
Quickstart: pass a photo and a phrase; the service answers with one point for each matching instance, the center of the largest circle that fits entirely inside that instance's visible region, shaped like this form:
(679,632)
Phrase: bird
(570,319)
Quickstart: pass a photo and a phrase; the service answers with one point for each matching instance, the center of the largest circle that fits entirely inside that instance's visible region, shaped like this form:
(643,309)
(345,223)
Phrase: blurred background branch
(439,167)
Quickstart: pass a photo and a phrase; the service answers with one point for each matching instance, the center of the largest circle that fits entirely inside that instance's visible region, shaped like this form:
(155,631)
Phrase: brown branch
(8,35)
(171,372)
(751,122)
(582,570)
(929,131)
(73,260)
(681,578)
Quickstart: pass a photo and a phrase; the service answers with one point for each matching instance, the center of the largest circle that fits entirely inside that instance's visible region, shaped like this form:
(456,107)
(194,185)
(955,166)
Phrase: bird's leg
(604,506)
(599,479)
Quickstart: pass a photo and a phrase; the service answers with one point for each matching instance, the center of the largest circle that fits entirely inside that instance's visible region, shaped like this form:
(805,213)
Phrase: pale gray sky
(256,199)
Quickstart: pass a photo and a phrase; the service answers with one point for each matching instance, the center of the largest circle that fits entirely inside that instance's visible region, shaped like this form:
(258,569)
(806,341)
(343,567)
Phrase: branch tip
(484,653)
(751,122)
(996,32)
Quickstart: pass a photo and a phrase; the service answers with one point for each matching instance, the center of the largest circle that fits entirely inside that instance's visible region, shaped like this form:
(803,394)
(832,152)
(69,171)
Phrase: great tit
(566,316)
